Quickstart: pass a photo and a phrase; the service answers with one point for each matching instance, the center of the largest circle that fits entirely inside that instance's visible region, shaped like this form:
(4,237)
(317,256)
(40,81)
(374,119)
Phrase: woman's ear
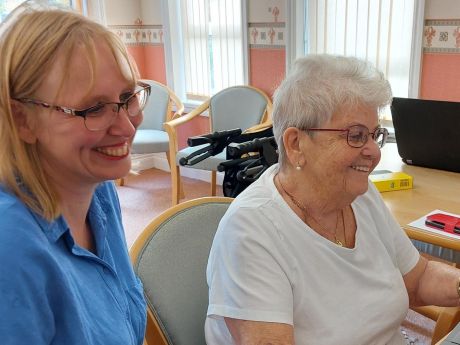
(294,146)
(22,122)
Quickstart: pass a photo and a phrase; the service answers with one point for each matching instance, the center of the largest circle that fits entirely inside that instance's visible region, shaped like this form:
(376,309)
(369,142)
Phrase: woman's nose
(124,125)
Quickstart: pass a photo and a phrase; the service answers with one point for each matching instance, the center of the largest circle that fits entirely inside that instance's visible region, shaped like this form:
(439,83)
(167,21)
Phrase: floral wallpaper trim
(267,35)
(266,46)
(278,25)
(441,36)
(139,34)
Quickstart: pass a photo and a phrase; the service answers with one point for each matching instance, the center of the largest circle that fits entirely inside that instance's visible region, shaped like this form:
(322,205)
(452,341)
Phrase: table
(432,189)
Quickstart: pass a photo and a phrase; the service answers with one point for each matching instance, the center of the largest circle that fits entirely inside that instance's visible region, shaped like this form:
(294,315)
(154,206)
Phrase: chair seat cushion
(209,164)
(150,141)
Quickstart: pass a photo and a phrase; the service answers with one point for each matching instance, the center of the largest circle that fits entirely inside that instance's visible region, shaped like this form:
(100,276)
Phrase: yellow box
(386,181)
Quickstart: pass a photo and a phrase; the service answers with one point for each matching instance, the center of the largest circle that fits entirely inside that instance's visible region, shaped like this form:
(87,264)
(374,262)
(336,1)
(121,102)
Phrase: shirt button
(106,270)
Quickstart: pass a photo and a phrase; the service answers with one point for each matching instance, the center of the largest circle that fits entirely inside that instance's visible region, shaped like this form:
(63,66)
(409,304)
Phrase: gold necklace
(306,213)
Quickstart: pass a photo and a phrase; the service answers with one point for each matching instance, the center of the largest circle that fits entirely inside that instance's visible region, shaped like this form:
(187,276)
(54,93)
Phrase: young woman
(70,104)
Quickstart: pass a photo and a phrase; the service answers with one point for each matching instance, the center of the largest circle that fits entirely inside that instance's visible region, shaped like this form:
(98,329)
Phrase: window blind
(213,46)
(379,31)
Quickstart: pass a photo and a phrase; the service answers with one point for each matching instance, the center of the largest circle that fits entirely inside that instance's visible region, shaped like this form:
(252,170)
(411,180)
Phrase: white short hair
(318,86)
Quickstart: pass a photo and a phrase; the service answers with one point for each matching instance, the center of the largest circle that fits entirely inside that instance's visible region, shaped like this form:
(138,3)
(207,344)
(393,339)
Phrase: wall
(139,25)
(441,51)
(121,12)
(267,43)
(154,53)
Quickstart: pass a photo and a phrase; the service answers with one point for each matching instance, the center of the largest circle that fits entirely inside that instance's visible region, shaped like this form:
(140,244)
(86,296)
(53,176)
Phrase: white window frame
(4,4)
(95,9)
(174,50)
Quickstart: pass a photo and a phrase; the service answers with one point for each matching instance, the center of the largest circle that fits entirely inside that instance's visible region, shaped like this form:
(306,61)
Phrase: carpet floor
(146,195)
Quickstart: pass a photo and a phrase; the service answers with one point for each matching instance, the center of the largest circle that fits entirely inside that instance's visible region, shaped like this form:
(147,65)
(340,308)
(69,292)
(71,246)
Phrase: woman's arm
(433,283)
(260,333)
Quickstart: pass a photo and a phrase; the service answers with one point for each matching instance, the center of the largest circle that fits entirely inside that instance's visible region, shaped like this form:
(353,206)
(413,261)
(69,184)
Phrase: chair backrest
(238,107)
(158,106)
(170,258)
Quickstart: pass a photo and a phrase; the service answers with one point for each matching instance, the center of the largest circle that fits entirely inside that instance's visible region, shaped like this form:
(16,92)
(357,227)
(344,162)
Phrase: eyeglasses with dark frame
(358,135)
(102,115)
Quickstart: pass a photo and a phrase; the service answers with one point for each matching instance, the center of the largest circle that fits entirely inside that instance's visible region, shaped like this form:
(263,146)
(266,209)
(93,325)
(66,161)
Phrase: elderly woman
(70,104)
(309,254)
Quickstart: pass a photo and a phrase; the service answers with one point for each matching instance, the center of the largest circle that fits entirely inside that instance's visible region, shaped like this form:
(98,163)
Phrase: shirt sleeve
(245,271)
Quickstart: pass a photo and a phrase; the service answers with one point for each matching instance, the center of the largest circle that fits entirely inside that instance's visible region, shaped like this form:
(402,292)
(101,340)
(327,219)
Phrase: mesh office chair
(170,258)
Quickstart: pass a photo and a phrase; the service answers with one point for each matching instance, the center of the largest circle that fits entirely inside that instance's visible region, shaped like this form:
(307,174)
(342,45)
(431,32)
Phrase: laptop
(427,132)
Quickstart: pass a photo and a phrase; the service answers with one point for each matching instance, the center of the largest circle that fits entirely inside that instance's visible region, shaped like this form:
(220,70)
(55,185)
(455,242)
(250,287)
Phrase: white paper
(420,223)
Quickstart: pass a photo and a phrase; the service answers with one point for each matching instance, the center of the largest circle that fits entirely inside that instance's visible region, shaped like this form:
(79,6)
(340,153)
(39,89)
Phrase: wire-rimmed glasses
(357,135)
(102,115)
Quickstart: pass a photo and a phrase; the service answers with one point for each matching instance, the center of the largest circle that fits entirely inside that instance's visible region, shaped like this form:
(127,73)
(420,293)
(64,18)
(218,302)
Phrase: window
(384,32)
(6,6)
(206,46)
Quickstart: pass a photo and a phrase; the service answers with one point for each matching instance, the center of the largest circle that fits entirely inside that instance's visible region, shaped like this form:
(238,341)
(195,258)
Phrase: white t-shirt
(266,264)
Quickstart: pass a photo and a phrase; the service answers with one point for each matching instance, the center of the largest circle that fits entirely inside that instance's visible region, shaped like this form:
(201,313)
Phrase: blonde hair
(318,86)
(28,49)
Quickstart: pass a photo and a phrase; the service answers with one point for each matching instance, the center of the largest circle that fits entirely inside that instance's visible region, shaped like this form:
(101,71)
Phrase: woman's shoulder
(22,240)
(14,212)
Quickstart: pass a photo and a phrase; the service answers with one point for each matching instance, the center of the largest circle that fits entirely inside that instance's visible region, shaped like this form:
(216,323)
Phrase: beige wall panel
(122,12)
(442,9)
(266,11)
(151,12)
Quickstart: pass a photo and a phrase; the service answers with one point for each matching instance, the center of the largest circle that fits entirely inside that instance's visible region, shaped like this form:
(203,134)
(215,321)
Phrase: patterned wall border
(267,35)
(139,35)
(261,35)
(441,36)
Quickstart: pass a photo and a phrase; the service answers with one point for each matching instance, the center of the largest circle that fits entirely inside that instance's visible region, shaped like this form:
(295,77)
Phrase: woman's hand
(260,333)
(433,283)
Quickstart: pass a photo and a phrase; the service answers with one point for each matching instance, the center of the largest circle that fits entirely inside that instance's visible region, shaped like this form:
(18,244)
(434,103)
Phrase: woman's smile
(114,151)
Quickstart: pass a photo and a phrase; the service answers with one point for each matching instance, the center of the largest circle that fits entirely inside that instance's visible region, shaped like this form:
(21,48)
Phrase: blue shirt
(53,291)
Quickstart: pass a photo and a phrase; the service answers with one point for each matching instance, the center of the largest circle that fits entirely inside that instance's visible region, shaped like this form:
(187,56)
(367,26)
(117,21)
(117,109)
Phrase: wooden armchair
(151,136)
(170,258)
(234,107)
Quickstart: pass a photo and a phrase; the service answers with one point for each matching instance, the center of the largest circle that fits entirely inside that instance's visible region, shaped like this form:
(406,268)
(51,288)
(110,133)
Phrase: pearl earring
(298,167)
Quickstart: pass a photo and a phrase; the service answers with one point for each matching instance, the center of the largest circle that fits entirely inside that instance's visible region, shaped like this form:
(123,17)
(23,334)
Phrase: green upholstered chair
(170,258)
(163,105)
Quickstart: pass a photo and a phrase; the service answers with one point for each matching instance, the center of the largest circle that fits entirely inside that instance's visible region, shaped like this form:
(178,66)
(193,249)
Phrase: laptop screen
(427,132)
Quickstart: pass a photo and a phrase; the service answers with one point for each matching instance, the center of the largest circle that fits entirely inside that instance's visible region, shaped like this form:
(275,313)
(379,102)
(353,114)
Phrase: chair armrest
(268,112)
(259,127)
(177,114)
(179,105)
(170,127)
(187,117)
